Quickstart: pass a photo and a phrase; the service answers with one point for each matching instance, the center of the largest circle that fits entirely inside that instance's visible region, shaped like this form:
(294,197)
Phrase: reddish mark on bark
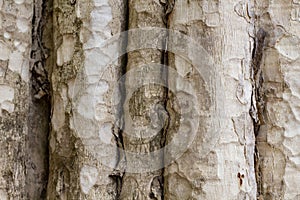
(241,176)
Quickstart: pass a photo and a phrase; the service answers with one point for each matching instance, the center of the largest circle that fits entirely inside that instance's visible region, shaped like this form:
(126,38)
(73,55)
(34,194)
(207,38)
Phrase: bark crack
(257,102)
(168,8)
(37,162)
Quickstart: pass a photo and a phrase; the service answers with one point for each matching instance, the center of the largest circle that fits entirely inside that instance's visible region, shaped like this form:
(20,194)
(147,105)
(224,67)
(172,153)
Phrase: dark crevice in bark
(164,72)
(37,161)
(257,103)
(168,7)
(119,171)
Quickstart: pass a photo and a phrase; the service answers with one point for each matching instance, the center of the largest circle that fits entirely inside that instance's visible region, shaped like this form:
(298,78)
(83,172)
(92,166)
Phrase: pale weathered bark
(277,99)
(222,167)
(83,84)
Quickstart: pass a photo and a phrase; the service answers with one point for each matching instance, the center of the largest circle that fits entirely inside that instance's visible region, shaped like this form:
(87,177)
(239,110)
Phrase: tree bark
(277,99)
(37,158)
(83,85)
(15,47)
(222,166)
(144,106)
(99,101)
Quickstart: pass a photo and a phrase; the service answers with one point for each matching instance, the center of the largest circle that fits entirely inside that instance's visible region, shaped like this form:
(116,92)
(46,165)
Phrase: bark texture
(15,46)
(277,86)
(83,116)
(88,113)
(39,105)
(144,107)
(224,170)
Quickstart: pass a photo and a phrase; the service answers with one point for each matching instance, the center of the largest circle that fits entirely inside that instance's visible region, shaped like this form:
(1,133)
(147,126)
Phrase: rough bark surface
(145,106)
(83,115)
(15,46)
(80,118)
(226,169)
(277,86)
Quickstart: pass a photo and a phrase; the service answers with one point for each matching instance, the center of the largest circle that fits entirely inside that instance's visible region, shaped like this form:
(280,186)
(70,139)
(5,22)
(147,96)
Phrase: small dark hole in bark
(240,176)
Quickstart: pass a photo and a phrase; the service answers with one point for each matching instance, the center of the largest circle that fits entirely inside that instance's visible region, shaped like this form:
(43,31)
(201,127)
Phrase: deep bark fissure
(257,104)
(37,162)
(165,76)
(165,131)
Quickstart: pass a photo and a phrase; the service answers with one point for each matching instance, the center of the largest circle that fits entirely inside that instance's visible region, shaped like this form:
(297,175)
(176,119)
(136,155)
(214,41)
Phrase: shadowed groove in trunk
(168,7)
(257,104)
(37,160)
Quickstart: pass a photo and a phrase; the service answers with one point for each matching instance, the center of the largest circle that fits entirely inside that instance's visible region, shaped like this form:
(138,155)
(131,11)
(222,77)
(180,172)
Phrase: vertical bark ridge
(83,149)
(204,173)
(146,102)
(66,150)
(277,98)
